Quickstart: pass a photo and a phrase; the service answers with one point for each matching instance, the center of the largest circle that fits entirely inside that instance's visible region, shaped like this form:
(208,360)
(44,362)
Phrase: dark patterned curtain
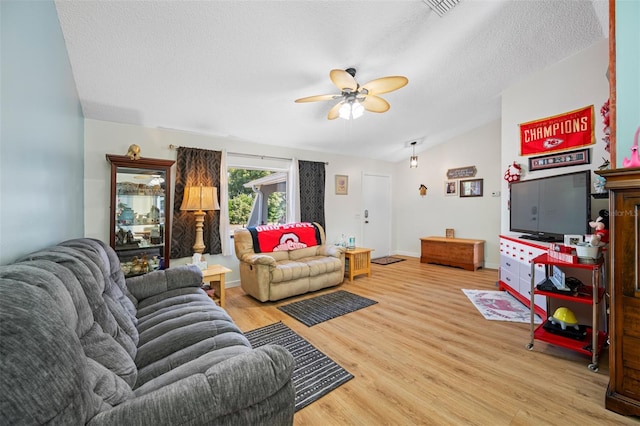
(312,178)
(194,167)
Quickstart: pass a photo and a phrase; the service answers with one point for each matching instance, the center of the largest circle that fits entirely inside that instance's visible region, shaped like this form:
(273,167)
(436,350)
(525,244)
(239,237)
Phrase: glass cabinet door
(140,213)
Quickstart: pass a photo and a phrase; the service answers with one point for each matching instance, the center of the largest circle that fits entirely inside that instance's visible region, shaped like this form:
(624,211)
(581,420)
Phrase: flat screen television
(547,208)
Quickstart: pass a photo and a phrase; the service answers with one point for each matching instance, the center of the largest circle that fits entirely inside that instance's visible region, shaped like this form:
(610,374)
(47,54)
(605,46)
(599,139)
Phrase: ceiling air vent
(441,7)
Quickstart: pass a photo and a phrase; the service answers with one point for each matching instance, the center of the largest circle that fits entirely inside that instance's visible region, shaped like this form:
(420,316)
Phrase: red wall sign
(558,133)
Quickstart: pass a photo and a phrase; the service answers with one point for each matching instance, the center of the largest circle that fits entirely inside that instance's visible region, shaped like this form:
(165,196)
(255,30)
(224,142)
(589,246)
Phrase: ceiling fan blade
(343,80)
(316,98)
(375,104)
(385,84)
(334,112)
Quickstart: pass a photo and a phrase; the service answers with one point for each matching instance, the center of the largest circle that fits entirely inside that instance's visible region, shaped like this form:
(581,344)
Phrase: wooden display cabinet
(623,393)
(140,216)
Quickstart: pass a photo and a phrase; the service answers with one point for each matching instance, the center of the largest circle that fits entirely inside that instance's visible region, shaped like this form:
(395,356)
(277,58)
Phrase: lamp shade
(200,198)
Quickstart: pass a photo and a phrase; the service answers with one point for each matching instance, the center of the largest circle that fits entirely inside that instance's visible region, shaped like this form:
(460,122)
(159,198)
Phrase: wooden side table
(358,261)
(215,273)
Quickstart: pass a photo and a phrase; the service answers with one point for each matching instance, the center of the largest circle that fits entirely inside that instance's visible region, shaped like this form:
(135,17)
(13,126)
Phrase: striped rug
(314,374)
(322,308)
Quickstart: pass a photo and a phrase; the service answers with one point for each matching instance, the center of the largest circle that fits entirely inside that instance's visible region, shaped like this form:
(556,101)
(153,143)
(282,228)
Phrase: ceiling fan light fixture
(351,109)
(354,98)
(357,110)
(345,110)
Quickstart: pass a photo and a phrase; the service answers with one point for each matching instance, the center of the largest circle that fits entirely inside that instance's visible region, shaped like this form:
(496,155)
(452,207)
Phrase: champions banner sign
(558,133)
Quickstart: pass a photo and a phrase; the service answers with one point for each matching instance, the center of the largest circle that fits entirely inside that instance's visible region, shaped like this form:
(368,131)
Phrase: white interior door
(376,213)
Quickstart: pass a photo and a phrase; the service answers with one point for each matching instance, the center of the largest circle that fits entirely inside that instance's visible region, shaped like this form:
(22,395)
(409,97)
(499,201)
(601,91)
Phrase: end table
(357,261)
(215,273)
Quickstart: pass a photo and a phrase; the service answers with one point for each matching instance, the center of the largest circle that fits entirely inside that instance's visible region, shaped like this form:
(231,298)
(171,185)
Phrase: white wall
(573,83)
(470,217)
(41,148)
(101,138)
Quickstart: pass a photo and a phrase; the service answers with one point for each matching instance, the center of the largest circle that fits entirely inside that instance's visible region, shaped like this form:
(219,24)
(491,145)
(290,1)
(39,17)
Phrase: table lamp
(200,199)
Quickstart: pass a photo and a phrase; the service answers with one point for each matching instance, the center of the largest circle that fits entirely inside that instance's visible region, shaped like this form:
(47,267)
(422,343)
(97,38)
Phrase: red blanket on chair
(290,236)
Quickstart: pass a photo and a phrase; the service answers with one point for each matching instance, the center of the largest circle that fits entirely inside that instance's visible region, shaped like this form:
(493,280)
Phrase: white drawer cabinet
(515,269)
(525,281)
(509,271)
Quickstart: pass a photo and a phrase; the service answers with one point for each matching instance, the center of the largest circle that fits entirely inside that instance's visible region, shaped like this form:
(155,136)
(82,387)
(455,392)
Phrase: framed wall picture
(342,185)
(471,188)
(572,240)
(562,159)
(450,187)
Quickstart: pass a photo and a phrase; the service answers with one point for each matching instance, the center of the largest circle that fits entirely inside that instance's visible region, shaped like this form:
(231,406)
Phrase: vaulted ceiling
(234,68)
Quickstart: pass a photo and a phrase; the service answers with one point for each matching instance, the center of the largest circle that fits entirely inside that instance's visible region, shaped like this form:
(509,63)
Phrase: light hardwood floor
(425,355)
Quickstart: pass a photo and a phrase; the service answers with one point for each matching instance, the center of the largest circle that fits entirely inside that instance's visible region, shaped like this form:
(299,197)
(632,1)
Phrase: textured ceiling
(234,68)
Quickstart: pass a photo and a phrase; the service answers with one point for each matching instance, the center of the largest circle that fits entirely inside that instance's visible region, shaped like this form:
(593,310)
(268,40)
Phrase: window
(256,197)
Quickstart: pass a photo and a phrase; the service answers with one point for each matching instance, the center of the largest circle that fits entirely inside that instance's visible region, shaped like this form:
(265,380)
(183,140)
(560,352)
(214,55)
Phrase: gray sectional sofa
(80,345)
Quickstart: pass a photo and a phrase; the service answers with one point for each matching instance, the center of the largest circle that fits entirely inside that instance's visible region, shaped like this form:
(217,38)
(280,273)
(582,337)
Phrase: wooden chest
(459,252)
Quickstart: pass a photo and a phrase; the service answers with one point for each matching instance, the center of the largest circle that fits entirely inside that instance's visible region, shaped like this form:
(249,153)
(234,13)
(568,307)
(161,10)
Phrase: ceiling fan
(355,99)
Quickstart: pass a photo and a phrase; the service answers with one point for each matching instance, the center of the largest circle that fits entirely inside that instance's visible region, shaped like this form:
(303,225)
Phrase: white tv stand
(516,255)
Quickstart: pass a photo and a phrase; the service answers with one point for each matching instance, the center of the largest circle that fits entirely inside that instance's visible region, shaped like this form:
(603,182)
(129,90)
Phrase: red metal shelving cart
(594,340)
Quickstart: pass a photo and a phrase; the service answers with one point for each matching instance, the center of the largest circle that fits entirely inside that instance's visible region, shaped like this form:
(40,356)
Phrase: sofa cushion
(278,255)
(302,253)
(194,366)
(32,341)
(79,300)
(157,282)
(178,327)
(184,310)
(103,348)
(109,386)
(180,346)
(319,265)
(91,278)
(288,270)
(115,289)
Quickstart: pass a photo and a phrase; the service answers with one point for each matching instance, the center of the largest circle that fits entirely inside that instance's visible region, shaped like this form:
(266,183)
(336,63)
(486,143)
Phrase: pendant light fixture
(413,162)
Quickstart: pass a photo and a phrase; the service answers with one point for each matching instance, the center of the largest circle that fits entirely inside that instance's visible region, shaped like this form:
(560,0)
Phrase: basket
(586,251)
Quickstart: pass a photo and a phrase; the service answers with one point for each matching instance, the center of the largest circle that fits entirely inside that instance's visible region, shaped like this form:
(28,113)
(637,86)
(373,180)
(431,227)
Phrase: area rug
(314,373)
(323,308)
(386,260)
(500,306)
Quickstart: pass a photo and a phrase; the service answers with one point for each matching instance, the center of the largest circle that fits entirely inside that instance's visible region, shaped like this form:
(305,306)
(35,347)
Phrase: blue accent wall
(41,132)
(627,76)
